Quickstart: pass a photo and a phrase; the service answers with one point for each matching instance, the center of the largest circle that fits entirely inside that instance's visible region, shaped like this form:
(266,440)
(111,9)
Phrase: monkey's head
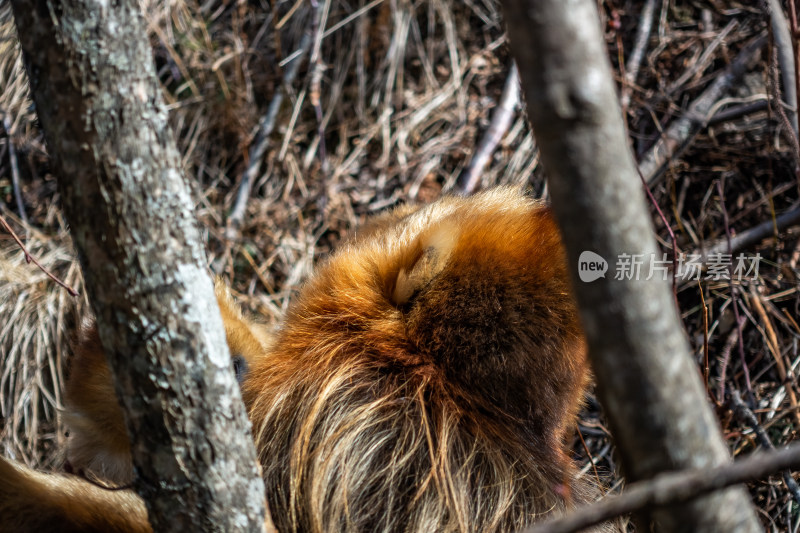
(426,376)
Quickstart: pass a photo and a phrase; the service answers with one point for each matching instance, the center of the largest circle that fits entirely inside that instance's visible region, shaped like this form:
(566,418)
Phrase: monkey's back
(426,378)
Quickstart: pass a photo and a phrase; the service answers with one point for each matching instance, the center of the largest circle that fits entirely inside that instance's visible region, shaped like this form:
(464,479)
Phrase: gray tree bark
(647,381)
(131,216)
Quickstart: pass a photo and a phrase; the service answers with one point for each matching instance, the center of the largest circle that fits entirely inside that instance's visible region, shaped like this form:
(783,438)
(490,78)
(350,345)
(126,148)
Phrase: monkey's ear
(430,254)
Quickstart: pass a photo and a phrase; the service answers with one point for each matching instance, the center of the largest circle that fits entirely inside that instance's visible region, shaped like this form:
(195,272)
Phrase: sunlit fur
(44,503)
(426,378)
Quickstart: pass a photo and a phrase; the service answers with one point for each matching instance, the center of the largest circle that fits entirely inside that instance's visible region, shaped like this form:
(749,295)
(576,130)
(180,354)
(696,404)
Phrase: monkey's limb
(34,502)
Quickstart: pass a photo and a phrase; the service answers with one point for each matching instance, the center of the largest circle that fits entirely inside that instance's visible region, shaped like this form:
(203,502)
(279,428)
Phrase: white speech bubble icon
(591,266)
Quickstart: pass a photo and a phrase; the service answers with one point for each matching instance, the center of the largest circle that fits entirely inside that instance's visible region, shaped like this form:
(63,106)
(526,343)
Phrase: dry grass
(406,90)
(36,326)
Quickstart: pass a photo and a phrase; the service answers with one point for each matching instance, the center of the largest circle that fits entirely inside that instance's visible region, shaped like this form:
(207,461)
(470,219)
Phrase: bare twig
(705,58)
(671,236)
(318,67)
(733,113)
(774,348)
(785,49)
(640,45)
(789,124)
(31,259)
(12,161)
(589,456)
(734,290)
(705,337)
(794,44)
(746,415)
(725,357)
(753,235)
(783,42)
(795,255)
(261,141)
(786,56)
(681,132)
(501,120)
(674,487)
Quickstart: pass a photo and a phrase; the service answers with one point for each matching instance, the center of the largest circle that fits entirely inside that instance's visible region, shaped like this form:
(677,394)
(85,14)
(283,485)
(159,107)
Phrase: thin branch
(317,68)
(793,44)
(589,456)
(501,120)
(774,348)
(671,236)
(725,357)
(746,415)
(749,237)
(732,113)
(795,258)
(705,58)
(782,37)
(635,59)
(705,338)
(734,290)
(261,141)
(681,132)
(789,124)
(783,42)
(31,259)
(673,488)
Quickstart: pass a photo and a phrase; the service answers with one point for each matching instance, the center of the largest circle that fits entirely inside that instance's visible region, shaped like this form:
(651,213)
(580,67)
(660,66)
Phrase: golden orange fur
(36,502)
(426,378)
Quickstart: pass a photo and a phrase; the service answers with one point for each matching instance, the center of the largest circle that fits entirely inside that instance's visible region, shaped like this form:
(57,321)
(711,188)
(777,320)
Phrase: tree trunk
(130,211)
(647,381)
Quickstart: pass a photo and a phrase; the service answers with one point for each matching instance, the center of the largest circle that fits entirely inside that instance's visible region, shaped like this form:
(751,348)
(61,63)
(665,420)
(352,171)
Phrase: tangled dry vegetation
(340,109)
